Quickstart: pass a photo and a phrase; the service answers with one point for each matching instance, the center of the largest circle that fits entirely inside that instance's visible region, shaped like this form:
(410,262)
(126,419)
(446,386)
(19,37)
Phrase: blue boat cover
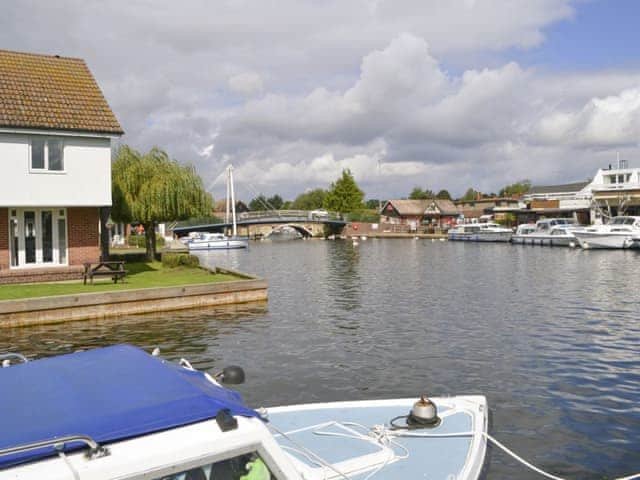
(109,394)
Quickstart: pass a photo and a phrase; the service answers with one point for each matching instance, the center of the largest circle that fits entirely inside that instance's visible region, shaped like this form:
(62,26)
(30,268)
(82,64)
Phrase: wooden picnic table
(114,269)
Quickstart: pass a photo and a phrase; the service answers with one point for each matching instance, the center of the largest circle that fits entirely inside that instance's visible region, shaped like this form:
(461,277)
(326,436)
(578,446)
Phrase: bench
(115,270)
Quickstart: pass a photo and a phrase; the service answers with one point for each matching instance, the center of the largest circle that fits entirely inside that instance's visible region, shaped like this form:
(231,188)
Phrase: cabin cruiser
(480,232)
(215,241)
(620,232)
(219,241)
(523,230)
(150,418)
(547,231)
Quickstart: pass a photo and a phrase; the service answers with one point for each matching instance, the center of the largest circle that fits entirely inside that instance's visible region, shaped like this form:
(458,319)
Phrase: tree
(470,194)
(258,204)
(418,194)
(275,202)
(373,204)
(344,196)
(153,188)
(310,200)
(443,195)
(262,203)
(517,188)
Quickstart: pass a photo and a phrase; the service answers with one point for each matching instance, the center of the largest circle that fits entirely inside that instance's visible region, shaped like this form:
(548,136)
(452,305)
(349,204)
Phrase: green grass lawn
(139,275)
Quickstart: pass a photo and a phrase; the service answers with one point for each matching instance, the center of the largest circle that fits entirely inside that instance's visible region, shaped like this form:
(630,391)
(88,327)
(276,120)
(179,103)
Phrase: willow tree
(152,188)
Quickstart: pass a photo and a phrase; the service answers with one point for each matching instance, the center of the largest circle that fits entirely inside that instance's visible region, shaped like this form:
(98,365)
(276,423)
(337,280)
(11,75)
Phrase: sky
(431,93)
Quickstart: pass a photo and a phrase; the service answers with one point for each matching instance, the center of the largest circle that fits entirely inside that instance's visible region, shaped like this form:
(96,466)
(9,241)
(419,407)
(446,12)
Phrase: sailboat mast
(226,215)
(233,202)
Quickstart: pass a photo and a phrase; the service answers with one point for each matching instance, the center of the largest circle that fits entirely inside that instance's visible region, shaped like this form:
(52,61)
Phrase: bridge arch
(298,228)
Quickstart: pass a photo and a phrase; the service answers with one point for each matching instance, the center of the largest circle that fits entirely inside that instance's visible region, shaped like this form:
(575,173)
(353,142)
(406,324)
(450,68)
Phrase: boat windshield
(622,221)
(243,466)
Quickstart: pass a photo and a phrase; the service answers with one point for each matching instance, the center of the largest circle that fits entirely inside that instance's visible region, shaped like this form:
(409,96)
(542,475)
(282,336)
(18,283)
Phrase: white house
(616,190)
(56,130)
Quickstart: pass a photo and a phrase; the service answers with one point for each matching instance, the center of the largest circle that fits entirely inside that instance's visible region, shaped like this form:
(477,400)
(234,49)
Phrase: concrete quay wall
(85,306)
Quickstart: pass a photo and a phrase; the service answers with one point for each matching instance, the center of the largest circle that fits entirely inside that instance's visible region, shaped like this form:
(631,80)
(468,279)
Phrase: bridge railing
(297,214)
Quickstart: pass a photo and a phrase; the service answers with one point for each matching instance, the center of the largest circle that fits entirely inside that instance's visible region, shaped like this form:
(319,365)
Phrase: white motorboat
(149,418)
(523,231)
(547,231)
(480,232)
(620,232)
(215,241)
(219,241)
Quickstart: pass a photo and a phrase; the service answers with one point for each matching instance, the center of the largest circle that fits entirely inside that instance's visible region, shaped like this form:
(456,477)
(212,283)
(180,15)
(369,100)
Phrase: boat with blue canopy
(121,413)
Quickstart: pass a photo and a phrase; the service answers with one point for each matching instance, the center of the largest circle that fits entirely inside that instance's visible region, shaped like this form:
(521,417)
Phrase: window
(242,466)
(47,154)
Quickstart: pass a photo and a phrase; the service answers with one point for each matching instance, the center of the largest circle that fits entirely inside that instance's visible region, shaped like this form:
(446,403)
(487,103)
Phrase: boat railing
(95,449)
(293,214)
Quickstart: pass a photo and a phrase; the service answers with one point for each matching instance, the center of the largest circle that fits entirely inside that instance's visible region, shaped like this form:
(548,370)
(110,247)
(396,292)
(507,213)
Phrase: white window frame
(45,169)
(55,216)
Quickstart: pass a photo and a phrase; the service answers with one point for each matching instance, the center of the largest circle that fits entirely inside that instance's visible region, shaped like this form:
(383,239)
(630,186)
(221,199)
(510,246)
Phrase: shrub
(173,260)
(140,241)
(364,216)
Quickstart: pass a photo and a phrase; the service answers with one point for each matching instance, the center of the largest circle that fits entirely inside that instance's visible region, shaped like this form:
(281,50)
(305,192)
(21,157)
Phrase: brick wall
(84,240)
(4,238)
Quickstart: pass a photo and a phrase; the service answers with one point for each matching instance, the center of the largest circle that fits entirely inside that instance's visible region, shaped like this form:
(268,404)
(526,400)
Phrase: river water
(550,335)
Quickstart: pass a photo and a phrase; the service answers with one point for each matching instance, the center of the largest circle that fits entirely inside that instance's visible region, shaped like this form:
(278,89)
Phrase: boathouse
(56,130)
(440,214)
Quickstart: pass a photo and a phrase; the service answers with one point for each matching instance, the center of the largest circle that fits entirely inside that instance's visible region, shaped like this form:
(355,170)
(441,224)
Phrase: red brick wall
(84,240)
(4,238)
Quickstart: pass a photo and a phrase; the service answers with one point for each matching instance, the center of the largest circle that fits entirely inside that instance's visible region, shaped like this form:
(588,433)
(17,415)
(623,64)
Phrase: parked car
(319,214)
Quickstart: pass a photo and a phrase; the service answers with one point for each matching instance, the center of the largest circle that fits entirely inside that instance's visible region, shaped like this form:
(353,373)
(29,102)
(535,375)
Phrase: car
(319,214)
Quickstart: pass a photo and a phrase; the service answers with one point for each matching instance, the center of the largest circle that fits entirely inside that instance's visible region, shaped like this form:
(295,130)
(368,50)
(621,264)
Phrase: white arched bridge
(296,219)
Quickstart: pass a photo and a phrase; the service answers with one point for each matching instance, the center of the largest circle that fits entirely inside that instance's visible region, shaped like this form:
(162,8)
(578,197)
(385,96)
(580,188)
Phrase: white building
(615,191)
(56,130)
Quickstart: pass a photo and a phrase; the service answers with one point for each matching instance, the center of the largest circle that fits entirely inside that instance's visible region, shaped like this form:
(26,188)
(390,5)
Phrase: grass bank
(139,275)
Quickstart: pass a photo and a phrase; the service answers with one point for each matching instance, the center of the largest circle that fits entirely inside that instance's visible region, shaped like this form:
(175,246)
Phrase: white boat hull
(545,240)
(610,240)
(481,236)
(228,244)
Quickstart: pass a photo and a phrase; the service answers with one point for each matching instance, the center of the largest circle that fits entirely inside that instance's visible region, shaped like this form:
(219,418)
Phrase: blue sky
(603,34)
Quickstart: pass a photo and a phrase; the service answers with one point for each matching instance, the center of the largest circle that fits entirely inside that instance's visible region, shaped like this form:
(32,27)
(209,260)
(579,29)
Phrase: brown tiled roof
(45,91)
(409,207)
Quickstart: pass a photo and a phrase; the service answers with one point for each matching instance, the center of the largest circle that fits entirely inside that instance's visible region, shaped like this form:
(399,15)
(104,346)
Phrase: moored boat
(620,232)
(149,418)
(215,241)
(547,231)
(480,232)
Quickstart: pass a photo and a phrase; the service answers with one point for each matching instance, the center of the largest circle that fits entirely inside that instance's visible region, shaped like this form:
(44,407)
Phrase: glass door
(29,237)
(46,221)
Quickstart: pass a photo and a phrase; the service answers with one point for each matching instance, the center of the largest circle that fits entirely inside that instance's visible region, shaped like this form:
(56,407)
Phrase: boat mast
(226,215)
(233,198)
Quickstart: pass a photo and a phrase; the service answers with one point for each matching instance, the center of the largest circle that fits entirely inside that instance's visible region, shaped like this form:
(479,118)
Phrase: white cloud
(248,83)
(206,151)
(612,121)
(342,84)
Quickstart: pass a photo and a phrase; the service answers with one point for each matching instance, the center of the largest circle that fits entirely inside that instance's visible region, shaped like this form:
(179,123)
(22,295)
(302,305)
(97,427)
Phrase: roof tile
(46,91)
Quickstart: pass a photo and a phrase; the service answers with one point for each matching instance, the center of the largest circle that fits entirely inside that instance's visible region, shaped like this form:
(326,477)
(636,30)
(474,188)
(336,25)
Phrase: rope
(385,437)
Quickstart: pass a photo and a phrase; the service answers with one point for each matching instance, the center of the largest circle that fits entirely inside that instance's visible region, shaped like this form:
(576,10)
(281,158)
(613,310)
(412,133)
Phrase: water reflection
(550,335)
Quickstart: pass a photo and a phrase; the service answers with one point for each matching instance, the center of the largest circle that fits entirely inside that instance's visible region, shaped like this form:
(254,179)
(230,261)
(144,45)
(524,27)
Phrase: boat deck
(335,433)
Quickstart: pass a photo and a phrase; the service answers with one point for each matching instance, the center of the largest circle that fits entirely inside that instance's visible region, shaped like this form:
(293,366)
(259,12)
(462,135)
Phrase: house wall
(84,237)
(4,238)
(86,180)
